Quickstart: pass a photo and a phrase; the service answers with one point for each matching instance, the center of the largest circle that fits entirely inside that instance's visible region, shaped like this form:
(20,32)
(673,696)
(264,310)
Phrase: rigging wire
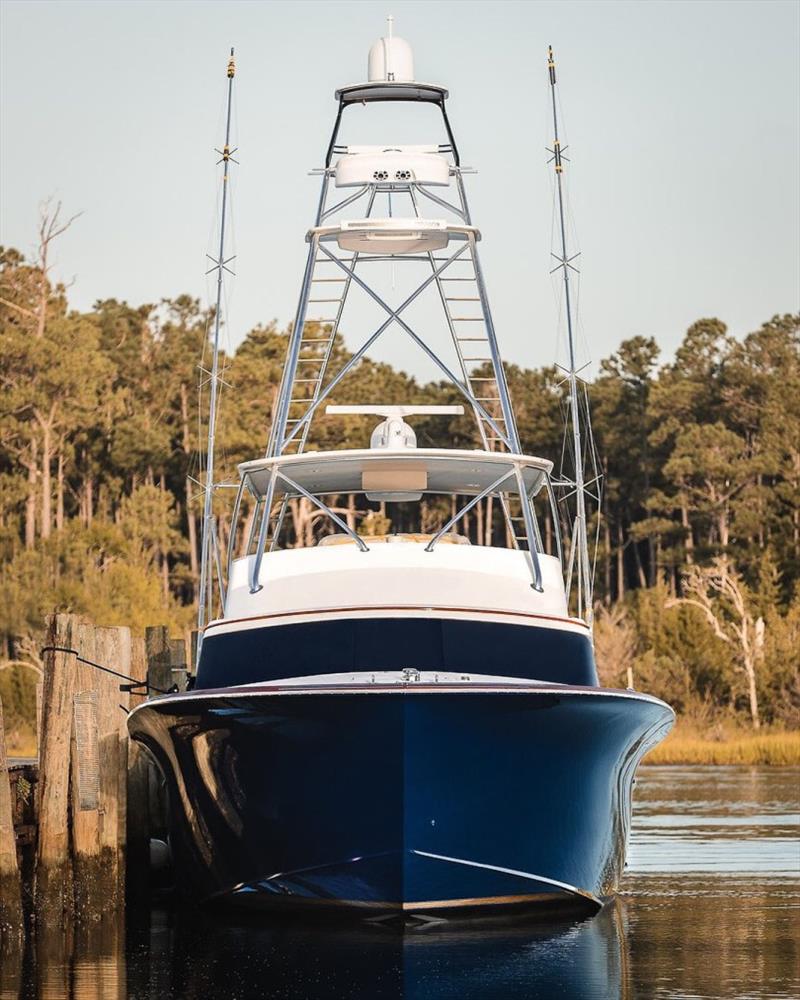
(209,542)
(583,451)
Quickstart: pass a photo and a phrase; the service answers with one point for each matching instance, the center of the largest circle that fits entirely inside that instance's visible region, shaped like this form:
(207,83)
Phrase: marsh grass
(686,744)
(682,746)
(21,742)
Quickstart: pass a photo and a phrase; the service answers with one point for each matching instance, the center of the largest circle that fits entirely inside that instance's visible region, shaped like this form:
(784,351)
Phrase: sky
(683,120)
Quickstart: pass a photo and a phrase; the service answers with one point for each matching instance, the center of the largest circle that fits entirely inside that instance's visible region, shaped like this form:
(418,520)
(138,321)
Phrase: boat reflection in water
(317,961)
(710,905)
(168,953)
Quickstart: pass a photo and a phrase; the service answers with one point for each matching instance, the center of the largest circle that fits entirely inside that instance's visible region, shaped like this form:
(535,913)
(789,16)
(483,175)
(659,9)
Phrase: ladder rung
(472,340)
(317,301)
(321,340)
(476,359)
(330,281)
(316,361)
(482,378)
(459,298)
(322,321)
(457,279)
(297,381)
(467,319)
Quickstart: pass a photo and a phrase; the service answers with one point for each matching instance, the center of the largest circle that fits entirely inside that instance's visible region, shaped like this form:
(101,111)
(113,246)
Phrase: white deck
(396,580)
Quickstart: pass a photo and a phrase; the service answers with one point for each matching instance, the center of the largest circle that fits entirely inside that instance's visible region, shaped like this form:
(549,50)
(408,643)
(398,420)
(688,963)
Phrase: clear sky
(683,120)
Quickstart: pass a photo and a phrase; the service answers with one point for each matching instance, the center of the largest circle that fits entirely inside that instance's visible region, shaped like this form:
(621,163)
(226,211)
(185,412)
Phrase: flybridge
(405,206)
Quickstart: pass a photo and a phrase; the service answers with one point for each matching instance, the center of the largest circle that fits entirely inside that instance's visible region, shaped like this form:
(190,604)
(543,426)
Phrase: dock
(77,820)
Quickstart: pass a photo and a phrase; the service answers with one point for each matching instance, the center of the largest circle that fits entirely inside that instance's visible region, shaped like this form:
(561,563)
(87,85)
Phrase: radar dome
(390,59)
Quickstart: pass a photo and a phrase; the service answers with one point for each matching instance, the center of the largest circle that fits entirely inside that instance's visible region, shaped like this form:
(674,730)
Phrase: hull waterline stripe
(512,871)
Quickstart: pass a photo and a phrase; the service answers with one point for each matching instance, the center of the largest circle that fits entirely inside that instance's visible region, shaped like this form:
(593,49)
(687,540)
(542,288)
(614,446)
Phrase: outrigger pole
(579,554)
(209,543)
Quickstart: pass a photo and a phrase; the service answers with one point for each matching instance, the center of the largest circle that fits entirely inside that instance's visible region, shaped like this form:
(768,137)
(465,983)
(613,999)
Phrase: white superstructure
(485,540)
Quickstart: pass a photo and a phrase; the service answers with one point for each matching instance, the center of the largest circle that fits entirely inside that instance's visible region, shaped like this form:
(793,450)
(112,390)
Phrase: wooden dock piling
(137,812)
(99,798)
(53,871)
(159,658)
(99,770)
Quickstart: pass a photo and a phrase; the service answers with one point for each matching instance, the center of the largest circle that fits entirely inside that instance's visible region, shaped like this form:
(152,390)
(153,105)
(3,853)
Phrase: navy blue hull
(416,798)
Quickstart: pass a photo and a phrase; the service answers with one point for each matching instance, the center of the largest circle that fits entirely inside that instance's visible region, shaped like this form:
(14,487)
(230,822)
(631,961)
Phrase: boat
(403,716)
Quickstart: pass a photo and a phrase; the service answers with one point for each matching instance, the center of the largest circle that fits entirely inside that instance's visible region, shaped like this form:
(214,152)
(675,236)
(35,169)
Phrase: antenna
(389,60)
(209,553)
(580,546)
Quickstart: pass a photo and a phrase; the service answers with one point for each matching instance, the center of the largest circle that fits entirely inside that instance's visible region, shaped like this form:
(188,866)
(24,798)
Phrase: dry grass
(684,745)
(779,749)
(21,742)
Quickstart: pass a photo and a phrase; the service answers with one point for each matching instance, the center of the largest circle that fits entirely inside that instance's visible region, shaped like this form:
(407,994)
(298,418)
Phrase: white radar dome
(390,59)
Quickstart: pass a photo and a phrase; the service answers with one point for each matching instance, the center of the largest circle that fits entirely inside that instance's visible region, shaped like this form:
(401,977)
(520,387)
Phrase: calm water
(710,909)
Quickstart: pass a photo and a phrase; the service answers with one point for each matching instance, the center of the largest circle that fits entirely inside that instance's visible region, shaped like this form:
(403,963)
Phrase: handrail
(556,519)
(530,530)
(325,509)
(218,564)
(255,586)
(234,522)
(466,509)
(255,571)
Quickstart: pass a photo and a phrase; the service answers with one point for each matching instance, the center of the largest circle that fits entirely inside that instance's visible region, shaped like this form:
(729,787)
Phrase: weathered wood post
(85,772)
(53,869)
(11,918)
(99,770)
(179,670)
(114,650)
(138,817)
(159,677)
(194,638)
(159,662)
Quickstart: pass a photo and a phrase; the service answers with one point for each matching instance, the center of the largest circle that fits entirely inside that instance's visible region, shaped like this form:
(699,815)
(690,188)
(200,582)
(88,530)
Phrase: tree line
(102,420)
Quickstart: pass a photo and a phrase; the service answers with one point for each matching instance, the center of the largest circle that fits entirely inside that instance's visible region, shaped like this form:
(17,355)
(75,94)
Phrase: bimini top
(407,471)
(391,90)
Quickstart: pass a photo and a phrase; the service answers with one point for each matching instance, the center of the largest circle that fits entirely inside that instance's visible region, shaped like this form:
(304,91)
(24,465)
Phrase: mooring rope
(135,683)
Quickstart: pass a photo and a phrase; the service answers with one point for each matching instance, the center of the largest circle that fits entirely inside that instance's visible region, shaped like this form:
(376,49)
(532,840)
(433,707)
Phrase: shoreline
(686,744)
(775,749)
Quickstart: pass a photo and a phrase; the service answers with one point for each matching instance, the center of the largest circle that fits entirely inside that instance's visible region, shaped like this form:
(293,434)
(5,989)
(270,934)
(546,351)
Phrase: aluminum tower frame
(302,390)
